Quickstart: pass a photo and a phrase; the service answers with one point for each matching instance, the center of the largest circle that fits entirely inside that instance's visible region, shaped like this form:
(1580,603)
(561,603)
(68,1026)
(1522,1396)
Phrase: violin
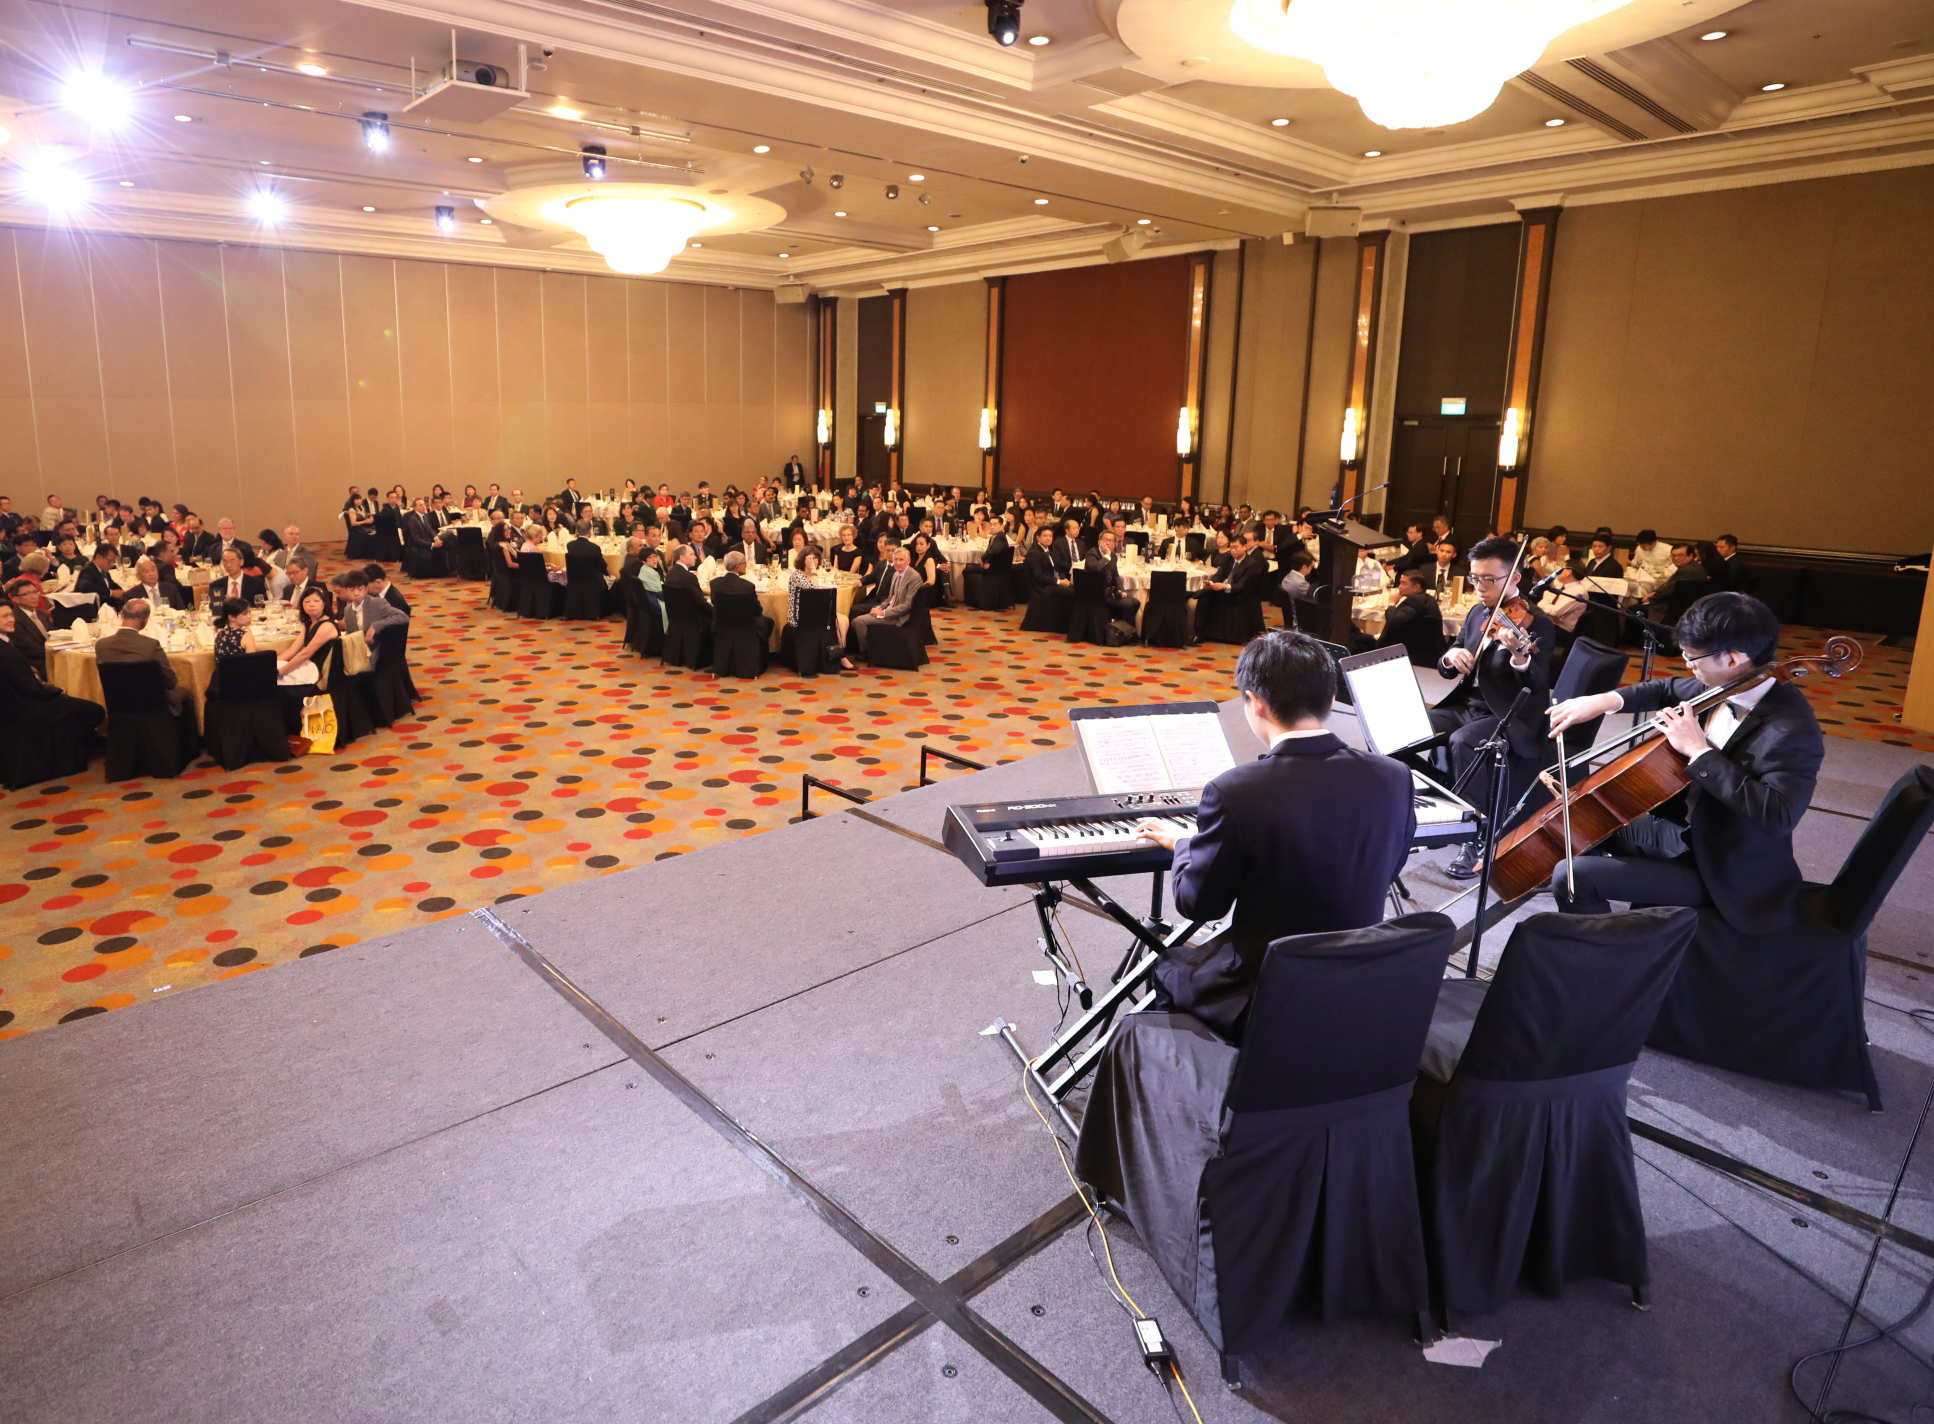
(1639,780)
(1510,628)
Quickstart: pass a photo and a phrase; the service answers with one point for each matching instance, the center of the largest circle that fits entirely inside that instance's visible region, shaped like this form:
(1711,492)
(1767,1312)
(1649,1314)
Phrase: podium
(1339,541)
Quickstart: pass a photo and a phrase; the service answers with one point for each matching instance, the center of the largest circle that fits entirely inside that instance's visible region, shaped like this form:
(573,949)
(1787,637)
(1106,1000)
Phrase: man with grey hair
(302,578)
(733,580)
(130,644)
(896,603)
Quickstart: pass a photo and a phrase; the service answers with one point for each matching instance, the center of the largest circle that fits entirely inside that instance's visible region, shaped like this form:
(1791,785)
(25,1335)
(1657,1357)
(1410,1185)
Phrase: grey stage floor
(720,1139)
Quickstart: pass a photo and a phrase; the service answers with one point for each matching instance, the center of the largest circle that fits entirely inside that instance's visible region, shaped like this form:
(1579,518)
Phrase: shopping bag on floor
(319,724)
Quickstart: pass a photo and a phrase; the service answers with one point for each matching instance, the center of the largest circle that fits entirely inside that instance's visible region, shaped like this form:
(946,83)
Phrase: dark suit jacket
(1042,571)
(496,501)
(733,583)
(1417,556)
(419,530)
(20,675)
(242,546)
(583,555)
(205,545)
(30,640)
(1332,821)
(1249,573)
(394,598)
(678,576)
(1745,800)
(300,591)
(1417,623)
(254,586)
(1067,553)
(1495,683)
(92,580)
(1110,572)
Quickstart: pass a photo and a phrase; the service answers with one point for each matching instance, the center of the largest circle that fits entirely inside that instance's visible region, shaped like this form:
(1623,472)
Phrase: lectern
(1339,541)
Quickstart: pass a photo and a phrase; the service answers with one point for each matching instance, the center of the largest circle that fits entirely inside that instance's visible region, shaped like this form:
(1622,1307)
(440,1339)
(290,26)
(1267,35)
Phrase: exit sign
(1450,405)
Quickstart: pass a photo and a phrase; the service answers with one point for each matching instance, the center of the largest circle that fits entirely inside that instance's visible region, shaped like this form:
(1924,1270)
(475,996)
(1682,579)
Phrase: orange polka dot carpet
(542,754)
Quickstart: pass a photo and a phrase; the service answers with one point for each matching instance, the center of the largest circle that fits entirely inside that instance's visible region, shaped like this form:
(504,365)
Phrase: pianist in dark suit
(1305,838)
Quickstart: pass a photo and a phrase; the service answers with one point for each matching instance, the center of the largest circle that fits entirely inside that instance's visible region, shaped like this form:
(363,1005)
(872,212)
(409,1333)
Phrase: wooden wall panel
(1329,372)
(475,399)
(424,378)
(319,377)
(648,382)
(264,414)
(194,310)
(792,410)
(946,380)
(134,369)
(524,448)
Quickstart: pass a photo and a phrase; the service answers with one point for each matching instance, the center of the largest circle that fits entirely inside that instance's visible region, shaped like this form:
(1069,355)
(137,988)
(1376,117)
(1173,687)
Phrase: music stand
(1339,540)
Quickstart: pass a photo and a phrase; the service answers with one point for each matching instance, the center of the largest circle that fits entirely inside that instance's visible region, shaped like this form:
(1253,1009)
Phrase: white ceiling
(875,92)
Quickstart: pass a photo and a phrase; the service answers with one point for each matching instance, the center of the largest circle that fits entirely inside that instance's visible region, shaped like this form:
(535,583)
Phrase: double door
(1443,466)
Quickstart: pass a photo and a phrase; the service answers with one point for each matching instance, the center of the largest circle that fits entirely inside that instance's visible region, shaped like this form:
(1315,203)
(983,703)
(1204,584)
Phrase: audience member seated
(1414,622)
(902,586)
(733,580)
(130,644)
(1104,559)
(235,584)
(31,622)
(356,612)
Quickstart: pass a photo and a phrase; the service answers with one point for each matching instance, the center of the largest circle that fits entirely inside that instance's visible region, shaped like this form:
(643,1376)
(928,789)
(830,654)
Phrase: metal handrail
(925,752)
(807,782)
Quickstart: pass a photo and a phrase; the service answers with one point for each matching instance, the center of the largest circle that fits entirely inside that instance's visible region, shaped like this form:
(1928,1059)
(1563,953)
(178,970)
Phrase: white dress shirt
(1724,721)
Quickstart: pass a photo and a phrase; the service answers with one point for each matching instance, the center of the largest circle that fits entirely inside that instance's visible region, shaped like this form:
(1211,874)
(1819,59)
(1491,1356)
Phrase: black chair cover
(1234,618)
(1528,1159)
(1790,1006)
(66,615)
(533,587)
(631,599)
(1088,613)
(1194,544)
(688,634)
(921,618)
(583,586)
(390,696)
(144,737)
(737,648)
(1590,667)
(1017,582)
(990,586)
(243,718)
(1276,1180)
(38,745)
(812,646)
(896,645)
(349,697)
(471,561)
(503,582)
(1165,621)
(1048,611)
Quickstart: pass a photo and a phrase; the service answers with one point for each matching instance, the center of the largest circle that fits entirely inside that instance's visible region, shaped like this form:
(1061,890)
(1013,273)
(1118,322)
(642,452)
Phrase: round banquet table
(1135,574)
(614,555)
(960,553)
(1368,613)
(75,672)
(823,532)
(775,598)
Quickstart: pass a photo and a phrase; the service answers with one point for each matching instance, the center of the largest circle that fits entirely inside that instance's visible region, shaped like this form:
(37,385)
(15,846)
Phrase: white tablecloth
(1135,573)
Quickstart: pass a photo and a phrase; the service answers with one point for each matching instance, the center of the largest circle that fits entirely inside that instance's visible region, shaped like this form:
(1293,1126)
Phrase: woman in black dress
(849,557)
(388,543)
(359,526)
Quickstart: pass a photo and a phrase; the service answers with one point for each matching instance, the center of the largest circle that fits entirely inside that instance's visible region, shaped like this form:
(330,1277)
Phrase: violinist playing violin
(1504,646)
(1727,840)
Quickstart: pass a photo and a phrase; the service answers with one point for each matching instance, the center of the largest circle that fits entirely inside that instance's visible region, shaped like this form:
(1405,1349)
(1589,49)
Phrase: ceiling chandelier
(636,236)
(1414,64)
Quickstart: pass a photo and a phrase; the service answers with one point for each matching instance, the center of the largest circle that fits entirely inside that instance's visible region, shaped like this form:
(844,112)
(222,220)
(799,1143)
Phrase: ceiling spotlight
(1771,88)
(263,161)
(1040,202)
(375,132)
(1711,35)
(785,254)
(762,148)
(312,69)
(487,222)
(933,227)
(916,177)
(837,180)
(839,212)
(1373,153)
(446,218)
(593,156)
(369,208)
(893,190)
(565,112)
(127,182)
(1554,123)
(1279,123)
(473,158)
(53,186)
(925,198)
(103,102)
(697,244)
(266,207)
(1039,40)
(184,118)
(1004,20)
(805,175)
(1143,222)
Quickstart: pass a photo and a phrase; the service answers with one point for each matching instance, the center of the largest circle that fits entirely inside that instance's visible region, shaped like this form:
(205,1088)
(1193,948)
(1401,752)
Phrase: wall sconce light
(986,436)
(1184,434)
(892,428)
(823,427)
(1511,439)
(1346,448)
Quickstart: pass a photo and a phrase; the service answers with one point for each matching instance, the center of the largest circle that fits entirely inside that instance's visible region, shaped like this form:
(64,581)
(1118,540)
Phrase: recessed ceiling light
(368,208)
(1279,123)
(473,158)
(698,244)
(916,177)
(487,221)
(1143,222)
(312,69)
(762,148)
(1714,35)
(565,111)
(184,118)
(839,212)
(785,254)
(127,182)
(932,227)
(105,103)
(1040,202)
(266,207)
(1554,123)
(263,161)
(1771,88)
(1373,153)
(1038,40)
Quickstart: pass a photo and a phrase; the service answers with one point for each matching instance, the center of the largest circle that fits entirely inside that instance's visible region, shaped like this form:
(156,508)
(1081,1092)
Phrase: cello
(1640,779)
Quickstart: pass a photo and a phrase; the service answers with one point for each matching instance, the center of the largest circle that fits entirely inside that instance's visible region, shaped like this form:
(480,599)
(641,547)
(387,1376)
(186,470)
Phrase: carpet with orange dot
(542,754)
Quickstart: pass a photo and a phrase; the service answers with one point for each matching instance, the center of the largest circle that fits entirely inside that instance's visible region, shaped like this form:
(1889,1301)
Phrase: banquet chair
(737,648)
(470,557)
(534,587)
(812,646)
(144,736)
(1590,668)
(35,747)
(584,586)
(1275,1181)
(1789,1006)
(348,696)
(1139,538)
(1048,611)
(1165,621)
(1194,544)
(688,632)
(391,698)
(895,645)
(921,618)
(243,719)
(1232,618)
(1088,609)
(631,599)
(990,585)
(503,582)
(1017,582)
(1519,1113)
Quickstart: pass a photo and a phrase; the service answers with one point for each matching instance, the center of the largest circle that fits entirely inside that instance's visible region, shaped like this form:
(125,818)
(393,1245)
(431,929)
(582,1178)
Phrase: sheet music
(1195,749)
(1156,752)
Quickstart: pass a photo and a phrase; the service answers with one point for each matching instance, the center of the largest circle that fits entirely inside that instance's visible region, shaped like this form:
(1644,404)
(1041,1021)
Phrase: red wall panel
(1094,371)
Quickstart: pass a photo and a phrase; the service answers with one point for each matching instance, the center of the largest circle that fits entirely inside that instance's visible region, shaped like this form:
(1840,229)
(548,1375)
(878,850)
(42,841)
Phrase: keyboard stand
(1073,1053)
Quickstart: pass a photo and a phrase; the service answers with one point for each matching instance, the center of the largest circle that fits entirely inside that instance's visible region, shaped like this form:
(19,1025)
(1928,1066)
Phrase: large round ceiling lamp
(636,236)
(1414,64)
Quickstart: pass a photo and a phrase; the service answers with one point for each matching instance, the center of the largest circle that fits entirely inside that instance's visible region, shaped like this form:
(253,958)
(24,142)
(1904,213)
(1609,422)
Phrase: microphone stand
(1649,632)
(1497,747)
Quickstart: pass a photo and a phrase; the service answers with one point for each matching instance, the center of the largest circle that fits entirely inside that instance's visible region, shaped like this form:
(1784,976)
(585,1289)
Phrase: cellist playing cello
(1728,841)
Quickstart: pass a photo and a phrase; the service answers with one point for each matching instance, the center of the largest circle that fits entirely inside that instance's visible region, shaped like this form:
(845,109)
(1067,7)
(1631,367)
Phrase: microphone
(1541,585)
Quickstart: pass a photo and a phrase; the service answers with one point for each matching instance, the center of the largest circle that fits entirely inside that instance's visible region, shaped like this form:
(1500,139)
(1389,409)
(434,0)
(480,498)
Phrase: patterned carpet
(543,754)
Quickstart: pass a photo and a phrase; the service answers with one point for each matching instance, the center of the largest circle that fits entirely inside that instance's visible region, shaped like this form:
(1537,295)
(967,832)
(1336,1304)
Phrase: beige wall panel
(323,463)
(58,301)
(1329,370)
(846,391)
(722,422)
(607,446)
(650,424)
(562,295)
(646,378)
(757,368)
(14,382)
(73,450)
(607,350)
(205,456)
(266,459)
(685,344)
(473,335)
(369,323)
(792,409)
(685,446)
(312,289)
(127,318)
(524,437)
(141,448)
(423,331)
(257,323)
(520,337)
(23,483)
(1218,395)
(477,444)
(945,383)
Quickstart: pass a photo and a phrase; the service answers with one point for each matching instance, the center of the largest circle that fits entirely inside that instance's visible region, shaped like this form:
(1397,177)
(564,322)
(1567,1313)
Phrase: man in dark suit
(1415,621)
(1443,567)
(794,473)
(1417,551)
(707,540)
(494,501)
(95,578)
(1255,833)
(302,578)
(357,612)
(1728,572)
(233,583)
(733,580)
(381,587)
(1121,604)
(682,574)
(879,581)
(33,698)
(1493,672)
(131,645)
(569,499)
(199,543)
(1067,551)
(226,540)
(1279,541)
(31,621)
(1729,842)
